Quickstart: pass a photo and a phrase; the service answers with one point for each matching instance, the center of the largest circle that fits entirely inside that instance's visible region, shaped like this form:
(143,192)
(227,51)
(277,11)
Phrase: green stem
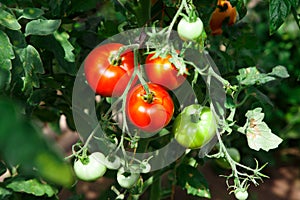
(179,11)
(155,189)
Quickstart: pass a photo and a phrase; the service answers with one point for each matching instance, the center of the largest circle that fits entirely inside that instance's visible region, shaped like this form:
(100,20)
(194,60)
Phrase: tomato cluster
(149,107)
(94,166)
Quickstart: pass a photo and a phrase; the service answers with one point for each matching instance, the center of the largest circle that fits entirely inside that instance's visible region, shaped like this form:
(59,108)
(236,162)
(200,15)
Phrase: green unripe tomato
(127,179)
(241,194)
(189,31)
(234,154)
(92,169)
(195,126)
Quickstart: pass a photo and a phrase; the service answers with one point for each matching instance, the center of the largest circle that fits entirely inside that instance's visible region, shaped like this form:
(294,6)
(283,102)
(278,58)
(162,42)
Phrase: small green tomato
(90,169)
(241,194)
(127,179)
(189,31)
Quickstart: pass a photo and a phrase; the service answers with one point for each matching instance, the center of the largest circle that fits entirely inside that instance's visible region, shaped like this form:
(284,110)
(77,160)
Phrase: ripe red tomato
(149,112)
(106,75)
(161,71)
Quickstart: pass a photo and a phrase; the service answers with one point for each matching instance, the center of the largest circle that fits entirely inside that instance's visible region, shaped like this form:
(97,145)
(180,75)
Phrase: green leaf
(32,186)
(6,50)
(51,44)
(8,20)
(62,38)
(259,135)
(34,155)
(278,11)
(42,27)
(4,193)
(251,76)
(31,13)
(280,71)
(5,74)
(32,65)
(193,181)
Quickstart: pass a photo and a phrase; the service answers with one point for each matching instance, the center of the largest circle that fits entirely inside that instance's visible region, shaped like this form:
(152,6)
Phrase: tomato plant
(224,11)
(194,126)
(91,167)
(149,110)
(190,30)
(161,71)
(106,72)
(50,60)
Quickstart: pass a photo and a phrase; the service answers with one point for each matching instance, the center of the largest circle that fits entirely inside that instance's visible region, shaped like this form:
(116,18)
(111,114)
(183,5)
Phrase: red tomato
(152,112)
(106,75)
(161,71)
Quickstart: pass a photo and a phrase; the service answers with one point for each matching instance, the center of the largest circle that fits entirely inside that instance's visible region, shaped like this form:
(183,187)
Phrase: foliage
(44,43)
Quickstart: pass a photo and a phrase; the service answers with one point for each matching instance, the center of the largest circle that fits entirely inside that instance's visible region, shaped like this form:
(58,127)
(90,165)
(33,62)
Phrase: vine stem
(182,5)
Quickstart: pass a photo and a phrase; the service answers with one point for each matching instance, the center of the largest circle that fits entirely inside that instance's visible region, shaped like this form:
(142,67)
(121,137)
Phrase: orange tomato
(223,11)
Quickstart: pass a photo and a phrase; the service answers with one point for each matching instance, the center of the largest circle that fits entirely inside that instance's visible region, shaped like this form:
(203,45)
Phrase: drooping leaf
(8,20)
(32,186)
(280,71)
(193,181)
(259,135)
(42,27)
(278,11)
(251,75)
(32,65)
(62,38)
(32,13)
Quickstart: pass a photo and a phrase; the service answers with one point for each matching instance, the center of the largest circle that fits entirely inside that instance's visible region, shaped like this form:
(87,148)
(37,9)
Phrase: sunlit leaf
(42,27)
(8,20)
(32,13)
(62,38)
(280,71)
(259,135)
(32,186)
(32,65)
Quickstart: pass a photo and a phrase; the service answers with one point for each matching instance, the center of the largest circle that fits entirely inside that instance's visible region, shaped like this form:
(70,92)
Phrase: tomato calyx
(115,59)
(148,97)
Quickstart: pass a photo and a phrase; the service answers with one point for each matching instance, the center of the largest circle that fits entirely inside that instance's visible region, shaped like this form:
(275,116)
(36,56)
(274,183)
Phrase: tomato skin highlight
(105,78)
(161,71)
(149,116)
(194,134)
(219,15)
(190,31)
